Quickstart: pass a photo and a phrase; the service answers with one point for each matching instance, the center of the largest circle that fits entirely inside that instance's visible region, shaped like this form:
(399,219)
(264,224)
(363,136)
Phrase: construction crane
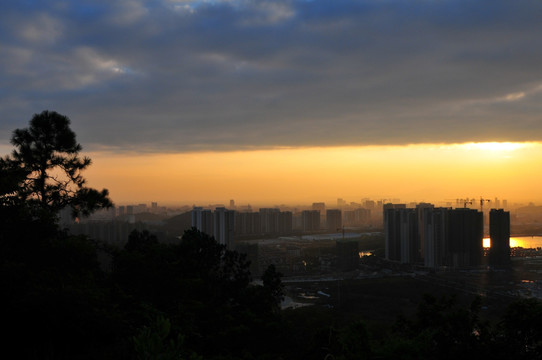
(482,203)
(468,201)
(459,201)
(462,201)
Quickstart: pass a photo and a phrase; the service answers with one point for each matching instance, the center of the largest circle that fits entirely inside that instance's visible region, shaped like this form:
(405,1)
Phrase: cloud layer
(181,75)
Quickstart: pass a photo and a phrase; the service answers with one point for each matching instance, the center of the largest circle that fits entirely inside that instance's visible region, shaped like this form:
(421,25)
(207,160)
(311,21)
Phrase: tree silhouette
(43,173)
(521,330)
(442,329)
(273,287)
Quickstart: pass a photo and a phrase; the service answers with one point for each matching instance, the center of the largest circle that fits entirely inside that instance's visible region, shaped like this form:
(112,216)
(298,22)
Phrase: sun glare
(495,146)
(514,242)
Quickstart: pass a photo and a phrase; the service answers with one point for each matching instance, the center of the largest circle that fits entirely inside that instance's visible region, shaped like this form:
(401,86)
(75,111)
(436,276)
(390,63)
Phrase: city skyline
(285,101)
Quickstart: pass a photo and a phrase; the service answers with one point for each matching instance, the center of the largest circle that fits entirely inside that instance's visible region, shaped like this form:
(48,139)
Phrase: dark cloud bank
(187,75)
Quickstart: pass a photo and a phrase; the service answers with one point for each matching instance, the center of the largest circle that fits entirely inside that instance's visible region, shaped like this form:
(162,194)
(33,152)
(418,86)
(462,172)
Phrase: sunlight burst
(496,146)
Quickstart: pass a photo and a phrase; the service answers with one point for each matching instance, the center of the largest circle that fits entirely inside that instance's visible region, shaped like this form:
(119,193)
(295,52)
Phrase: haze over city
(285,102)
(271,179)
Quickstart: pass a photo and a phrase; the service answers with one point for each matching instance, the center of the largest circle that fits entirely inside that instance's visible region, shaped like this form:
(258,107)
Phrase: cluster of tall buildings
(266,221)
(111,232)
(140,208)
(444,237)
(223,224)
(357,217)
(219,223)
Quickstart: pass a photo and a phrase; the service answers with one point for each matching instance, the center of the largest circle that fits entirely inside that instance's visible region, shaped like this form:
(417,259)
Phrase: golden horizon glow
(429,172)
(516,241)
(496,146)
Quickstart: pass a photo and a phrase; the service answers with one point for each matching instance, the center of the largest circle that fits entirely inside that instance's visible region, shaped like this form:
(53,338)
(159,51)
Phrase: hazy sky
(144,78)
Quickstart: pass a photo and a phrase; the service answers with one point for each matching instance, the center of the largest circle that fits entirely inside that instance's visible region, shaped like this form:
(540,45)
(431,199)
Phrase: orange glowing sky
(304,175)
(299,108)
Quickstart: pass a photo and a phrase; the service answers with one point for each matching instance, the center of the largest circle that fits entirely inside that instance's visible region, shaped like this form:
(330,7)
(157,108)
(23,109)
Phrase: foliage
(10,179)
(57,300)
(273,287)
(521,330)
(173,301)
(140,241)
(204,289)
(158,343)
(355,342)
(443,329)
(44,171)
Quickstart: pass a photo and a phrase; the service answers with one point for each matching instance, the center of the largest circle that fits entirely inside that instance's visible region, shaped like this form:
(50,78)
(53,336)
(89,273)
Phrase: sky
(282,101)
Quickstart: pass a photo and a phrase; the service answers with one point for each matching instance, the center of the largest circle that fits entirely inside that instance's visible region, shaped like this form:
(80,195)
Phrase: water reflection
(521,241)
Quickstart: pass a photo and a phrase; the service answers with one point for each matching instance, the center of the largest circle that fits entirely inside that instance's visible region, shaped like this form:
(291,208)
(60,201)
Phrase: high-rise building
(320,206)
(453,237)
(310,220)
(499,232)
(401,230)
(438,236)
(224,222)
(435,230)
(369,204)
(247,223)
(334,220)
(269,218)
(285,222)
(466,235)
(421,214)
(268,221)
(140,208)
(408,235)
(202,219)
(392,231)
(357,217)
